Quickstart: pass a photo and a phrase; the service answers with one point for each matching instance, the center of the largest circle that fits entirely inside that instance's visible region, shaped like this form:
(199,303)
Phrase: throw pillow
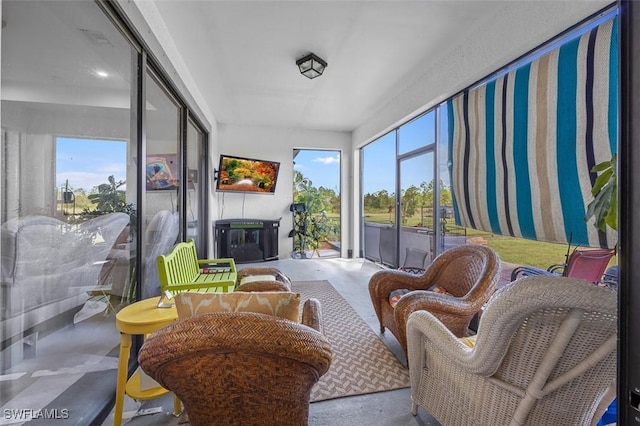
(280,304)
(396,295)
(439,289)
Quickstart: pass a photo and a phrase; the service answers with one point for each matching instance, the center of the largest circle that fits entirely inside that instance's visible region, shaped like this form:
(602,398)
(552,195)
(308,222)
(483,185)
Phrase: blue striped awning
(522,146)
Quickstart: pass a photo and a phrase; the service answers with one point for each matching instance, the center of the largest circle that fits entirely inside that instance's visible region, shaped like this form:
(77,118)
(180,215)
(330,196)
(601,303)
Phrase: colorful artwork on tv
(238,174)
(162,172)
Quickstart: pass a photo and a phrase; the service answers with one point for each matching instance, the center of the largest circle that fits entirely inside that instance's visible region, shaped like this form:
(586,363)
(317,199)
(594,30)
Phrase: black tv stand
(247,240)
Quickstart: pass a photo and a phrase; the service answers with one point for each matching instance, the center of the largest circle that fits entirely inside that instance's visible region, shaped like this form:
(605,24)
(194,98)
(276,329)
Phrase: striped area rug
(361,363)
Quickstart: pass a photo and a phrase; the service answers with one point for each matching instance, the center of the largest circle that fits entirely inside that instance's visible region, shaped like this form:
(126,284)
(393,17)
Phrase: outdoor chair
(414,260)
(461,279)
(262,279)
(545,354)
(240,368)
(588,264)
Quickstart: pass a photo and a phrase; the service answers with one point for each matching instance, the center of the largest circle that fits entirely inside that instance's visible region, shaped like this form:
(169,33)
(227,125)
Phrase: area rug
(361,362)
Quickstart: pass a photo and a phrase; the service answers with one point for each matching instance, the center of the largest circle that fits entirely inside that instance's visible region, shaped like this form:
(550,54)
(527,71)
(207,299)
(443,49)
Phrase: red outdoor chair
(587,264)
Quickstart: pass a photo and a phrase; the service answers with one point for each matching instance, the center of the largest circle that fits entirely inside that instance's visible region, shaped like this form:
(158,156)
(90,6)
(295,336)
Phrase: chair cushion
(395,295)
(469,341)
(254,278)
(439,289)
(280,304)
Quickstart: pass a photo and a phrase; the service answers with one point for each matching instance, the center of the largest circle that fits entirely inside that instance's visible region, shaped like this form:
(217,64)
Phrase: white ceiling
(242,54)
(239,56)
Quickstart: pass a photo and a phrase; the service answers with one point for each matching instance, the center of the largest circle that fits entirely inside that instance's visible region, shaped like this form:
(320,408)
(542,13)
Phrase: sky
(379,158)
(321,167)
(86,163)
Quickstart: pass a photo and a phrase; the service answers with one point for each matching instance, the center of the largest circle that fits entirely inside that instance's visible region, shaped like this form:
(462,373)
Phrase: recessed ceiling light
(102,74)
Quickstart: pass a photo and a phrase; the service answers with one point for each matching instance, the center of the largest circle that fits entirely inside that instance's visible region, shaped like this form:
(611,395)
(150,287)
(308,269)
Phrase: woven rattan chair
(280,282)
(545,354)
(240,368)
(470,273)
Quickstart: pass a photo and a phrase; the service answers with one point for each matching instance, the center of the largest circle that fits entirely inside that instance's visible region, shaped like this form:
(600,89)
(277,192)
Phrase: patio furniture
(48,268)
(545,354)
(139,318)
(611,277)
(255,368)
(587,264)
(468,273)
(181,270)
(262,279)
(414,260)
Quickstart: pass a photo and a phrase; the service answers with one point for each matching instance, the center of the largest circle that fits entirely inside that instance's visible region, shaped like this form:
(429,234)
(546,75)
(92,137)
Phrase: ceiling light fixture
(311,66)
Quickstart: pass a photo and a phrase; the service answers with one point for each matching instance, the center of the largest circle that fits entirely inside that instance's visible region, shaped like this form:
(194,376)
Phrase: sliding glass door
(416,211)
(68,204)
(399,194)
(92,189)
(195,186)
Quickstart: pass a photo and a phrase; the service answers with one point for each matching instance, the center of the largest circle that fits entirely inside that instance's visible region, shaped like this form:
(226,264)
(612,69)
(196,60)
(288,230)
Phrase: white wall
(277,144)
(522,26)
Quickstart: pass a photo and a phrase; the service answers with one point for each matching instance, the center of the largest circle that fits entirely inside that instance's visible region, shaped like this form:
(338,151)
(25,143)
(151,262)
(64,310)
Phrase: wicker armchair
(470,273)
(545,354)
(240,368)
(280,282)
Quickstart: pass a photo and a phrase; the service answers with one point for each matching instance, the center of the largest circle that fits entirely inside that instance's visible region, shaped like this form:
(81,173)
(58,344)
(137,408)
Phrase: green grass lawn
(518,251)
(527,252)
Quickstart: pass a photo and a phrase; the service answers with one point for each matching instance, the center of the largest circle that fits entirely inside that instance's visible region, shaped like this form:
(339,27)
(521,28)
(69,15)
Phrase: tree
(108,198)
(330,200)
(410,202)
(445,195)
(426,197)
(311,223)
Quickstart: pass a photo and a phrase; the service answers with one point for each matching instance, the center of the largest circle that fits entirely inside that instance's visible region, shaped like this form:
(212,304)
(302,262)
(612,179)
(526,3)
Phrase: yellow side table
(143,317)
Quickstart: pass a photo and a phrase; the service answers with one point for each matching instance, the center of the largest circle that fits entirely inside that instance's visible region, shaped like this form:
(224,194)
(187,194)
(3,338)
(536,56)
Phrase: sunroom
(120,109)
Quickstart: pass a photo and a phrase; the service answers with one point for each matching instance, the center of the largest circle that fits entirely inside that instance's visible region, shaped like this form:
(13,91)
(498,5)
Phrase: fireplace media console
(247,240)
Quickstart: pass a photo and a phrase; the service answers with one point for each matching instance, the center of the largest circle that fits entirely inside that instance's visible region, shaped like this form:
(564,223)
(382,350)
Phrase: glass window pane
(68,192)
(161,221)
(451,235)
(416,211)
(316,184)
(195,150)
(378,193)
(417,133)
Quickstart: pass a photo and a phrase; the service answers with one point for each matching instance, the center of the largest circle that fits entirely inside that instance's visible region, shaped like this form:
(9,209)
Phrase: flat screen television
(240,174)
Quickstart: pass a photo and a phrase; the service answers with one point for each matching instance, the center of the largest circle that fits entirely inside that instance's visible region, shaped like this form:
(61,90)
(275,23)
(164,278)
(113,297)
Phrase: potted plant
(110,198)
(604,205)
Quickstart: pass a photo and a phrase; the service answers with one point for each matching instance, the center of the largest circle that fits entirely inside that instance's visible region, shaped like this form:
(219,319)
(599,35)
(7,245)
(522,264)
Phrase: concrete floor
(350,277)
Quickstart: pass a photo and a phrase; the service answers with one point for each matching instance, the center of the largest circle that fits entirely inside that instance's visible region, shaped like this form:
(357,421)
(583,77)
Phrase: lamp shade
(311,66)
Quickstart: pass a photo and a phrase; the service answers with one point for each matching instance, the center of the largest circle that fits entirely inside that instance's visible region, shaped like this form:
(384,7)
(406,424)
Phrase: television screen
(238,174)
